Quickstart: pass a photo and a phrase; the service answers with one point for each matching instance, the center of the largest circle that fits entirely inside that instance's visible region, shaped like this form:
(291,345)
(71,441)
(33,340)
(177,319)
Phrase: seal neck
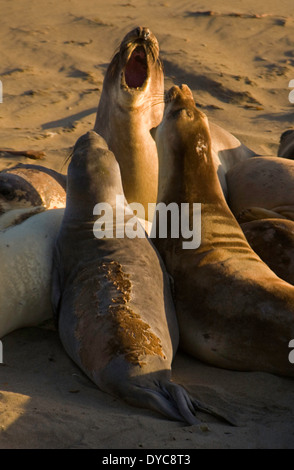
(127,133)
(191,177)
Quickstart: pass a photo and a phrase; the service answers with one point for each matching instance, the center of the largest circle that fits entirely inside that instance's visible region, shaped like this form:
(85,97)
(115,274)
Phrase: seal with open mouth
(131,104)
(233,311)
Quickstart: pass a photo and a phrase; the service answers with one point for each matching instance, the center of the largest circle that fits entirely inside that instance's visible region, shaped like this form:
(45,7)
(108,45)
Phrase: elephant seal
(131,104)
(273,241)
(111,296)
(286,148)
(26,263)
(24,186)
(233,311)
(262,188)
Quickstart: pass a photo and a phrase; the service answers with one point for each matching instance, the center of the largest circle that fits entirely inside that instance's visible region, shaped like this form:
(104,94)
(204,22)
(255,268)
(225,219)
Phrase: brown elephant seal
(25,186)
(286,148)
(260,188)
(273,241)
(113,305)
(131,104)
(233,311)
(26,263)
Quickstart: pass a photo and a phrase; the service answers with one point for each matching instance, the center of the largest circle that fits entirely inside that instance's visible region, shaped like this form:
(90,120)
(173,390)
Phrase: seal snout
(143,33)
(90,138)
(181,103)
(181,92)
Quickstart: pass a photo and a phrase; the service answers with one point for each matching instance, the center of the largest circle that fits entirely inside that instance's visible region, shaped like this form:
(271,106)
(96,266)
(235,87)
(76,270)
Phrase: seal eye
(182,112)
(7,192)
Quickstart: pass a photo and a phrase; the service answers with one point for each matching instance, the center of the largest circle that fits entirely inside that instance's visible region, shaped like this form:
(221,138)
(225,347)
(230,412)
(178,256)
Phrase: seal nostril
(146,33)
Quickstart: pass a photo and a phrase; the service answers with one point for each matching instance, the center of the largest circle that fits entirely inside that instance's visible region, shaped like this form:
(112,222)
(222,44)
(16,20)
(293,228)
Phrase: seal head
(27,186)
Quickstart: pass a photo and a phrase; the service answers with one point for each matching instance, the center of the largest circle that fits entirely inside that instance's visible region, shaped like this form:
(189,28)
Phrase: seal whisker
(67,159)
(152,104)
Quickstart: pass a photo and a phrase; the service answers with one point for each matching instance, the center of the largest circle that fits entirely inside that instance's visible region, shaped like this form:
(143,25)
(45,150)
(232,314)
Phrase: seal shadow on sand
(69,120)
(202,82)
(62,409)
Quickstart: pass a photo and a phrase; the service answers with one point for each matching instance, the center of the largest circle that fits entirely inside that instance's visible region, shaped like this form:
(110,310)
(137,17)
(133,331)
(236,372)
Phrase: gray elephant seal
(262,188)
(111,296)
(131,104)
(233,311)
(25,186)
(26,261)
(273,241)
(286,148)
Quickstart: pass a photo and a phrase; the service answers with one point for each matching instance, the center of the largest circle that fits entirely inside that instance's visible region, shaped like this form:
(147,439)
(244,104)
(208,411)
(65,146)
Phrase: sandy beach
(238,60)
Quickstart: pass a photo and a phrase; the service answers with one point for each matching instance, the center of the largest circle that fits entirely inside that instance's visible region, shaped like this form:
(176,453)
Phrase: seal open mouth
(136,68)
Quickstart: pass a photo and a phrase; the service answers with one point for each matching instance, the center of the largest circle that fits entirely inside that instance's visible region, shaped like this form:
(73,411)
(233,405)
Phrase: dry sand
(53,59)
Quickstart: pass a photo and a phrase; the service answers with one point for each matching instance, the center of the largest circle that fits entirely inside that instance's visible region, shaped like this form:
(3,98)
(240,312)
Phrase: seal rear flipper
(214,412)
(188,405)
(168,399)
(174,402)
